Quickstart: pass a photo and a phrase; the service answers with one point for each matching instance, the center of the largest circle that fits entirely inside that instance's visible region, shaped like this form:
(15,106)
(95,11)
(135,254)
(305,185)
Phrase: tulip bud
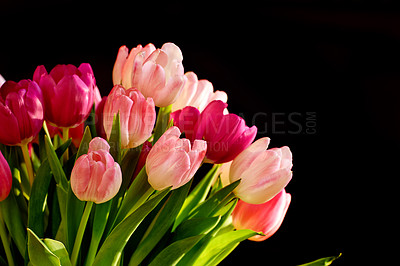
(263,173)
(156,73)
(265,218)
(137,115)
(21,112)
(96,176)
(67,93)
(226,135)
(197,93)
(173,161)
(5,178)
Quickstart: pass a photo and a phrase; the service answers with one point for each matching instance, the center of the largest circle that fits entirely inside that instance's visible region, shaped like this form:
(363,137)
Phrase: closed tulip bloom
(137,115)
(67,93)
(5,178)
(96,176)
(263,173)
(226,134)
(156,73)
(265,218)
(197,93)
(172,161)
(21,112)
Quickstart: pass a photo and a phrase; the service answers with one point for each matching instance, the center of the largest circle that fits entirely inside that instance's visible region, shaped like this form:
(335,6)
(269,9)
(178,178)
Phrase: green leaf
(39,253)
(84,146)
(115,139)
(219,244)
(172,254)
(58,249)
(91,121)
(162,122)
(322,262)
(111,250)
(215,202)
(196,226)
(198,195)
(55,164)
(160,225)
(74,211)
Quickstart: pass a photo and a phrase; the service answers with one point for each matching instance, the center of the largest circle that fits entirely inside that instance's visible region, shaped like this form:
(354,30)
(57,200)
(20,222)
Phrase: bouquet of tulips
(86,180)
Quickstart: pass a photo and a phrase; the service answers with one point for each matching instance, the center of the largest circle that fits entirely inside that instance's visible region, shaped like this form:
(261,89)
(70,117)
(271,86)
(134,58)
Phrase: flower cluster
(144,141)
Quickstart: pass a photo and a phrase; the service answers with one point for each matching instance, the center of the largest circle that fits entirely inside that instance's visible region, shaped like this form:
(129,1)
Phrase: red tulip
(263,173)
(67,93)
(5,178)
(265,218)
(137,115)
(156,73)
(21,112)
(173,161)
(96,176)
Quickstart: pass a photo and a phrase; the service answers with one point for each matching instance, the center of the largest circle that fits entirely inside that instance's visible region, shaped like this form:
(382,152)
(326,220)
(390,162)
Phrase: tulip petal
(98,144)
(8,135)
(110,183)
(118,65)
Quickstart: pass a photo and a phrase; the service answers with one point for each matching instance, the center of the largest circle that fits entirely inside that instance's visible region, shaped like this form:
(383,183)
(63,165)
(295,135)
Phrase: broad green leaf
(215,202)
(91,121)
(322,262)
(39,253)
(84,146)
(196,226)
(58,249)
(160,225)
(55,164)
(162,122)
(111,250)
(74,211)
(115,139)
(172,254)
(219,244)
(197,195)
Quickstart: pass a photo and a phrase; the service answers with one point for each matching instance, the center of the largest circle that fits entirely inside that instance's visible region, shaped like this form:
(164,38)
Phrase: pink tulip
(5,178)
(265,218)
(263,173)
(67,93)
(137,115)
(156,73)
(21,112)
(197,93)
(226,135)
(95,176)
(173,161)
(2,80)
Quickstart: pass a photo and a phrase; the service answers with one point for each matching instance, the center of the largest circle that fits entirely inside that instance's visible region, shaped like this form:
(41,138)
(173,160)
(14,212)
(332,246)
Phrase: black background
(322,79)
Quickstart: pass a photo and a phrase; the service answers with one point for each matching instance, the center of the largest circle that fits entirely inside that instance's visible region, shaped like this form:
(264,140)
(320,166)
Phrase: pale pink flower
(173,161)
(96,176)
(197,93)
(263,173)
(156,73)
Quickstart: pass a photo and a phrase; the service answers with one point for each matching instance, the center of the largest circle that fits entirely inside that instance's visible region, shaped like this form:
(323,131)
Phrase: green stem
(28,162)
(5,241)
(65,138)
(81,231)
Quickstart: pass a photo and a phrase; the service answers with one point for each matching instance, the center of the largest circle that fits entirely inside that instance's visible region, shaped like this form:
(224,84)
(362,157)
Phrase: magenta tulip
(67,92)
(172,161)
(263,173)
(96,176)
(186,120)
(156,73)
(21,112)
(197,93)
(137,115)
(265,218)
(5,178)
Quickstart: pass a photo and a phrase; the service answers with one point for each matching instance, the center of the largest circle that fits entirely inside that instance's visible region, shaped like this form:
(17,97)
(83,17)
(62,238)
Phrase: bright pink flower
(67,93)
(173,161)
(21,112)
(156,73)
(266,217)
(5,178)
(95,176)
(226,135)
(197,93)
(263,173)
(137,115)
(186,120)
